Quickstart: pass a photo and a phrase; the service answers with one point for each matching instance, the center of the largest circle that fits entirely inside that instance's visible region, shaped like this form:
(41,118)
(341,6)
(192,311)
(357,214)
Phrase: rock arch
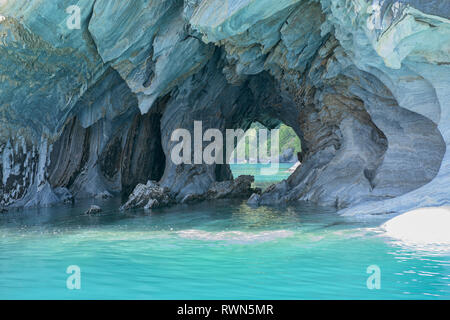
(90,113)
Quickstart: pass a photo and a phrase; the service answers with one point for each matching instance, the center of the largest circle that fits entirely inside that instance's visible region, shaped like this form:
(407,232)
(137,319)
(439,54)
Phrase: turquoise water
(212,250)
(261,181)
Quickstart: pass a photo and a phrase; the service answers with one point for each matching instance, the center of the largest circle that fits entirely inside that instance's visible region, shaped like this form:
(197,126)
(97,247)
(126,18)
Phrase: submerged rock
(149,196)
(241,187)
(254,199)
(93,210)
(152,195)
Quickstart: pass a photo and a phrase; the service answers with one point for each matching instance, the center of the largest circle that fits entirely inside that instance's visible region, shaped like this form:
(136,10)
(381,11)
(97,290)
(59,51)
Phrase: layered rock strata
(89,111)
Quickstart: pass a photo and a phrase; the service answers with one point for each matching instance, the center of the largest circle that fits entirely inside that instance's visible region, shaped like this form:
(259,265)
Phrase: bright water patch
(262,181)
(235,236)
(214,250)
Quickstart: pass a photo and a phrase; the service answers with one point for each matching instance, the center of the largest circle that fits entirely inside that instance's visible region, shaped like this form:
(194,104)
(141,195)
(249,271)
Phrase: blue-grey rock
(90,111)
(94,209)
(288,156)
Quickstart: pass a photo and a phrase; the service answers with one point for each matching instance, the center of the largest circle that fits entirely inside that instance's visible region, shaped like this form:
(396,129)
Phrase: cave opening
(249,161)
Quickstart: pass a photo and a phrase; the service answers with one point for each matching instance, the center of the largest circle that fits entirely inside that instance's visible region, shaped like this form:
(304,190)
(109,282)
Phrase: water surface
(262,181)
(212,250)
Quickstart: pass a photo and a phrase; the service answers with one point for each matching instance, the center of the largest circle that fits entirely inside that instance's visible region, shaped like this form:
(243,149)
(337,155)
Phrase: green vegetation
(288,138)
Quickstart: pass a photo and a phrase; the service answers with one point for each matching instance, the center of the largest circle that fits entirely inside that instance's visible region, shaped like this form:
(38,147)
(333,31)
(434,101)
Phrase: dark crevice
(143,158)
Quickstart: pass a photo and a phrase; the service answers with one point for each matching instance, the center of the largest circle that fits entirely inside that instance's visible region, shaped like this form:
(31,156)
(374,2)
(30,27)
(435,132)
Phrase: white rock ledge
(423,226)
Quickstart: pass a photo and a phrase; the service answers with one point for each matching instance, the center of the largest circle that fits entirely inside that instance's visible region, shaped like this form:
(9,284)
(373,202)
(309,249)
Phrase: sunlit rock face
(90,111)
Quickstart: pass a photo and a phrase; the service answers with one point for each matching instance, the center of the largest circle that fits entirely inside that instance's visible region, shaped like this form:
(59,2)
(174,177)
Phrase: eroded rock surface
(94,210)
(152,195)
(90,111)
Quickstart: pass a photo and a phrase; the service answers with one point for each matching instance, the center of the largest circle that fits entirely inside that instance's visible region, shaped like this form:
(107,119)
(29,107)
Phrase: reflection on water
(213,250)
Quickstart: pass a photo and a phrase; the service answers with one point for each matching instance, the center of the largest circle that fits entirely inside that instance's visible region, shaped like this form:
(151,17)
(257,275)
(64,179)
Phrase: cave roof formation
(89,111)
